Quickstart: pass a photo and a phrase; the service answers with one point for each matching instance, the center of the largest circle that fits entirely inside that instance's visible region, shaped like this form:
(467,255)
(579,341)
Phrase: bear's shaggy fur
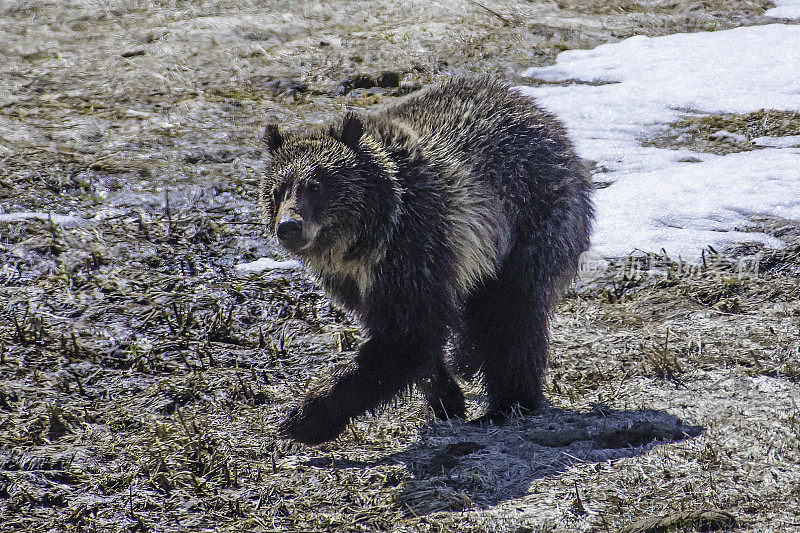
(459,213)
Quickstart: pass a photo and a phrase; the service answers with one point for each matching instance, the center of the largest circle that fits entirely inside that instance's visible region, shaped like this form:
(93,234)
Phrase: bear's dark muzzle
(290,233)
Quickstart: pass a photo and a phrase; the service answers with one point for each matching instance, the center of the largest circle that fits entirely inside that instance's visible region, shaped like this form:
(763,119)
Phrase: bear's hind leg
(443,393)
(505,334)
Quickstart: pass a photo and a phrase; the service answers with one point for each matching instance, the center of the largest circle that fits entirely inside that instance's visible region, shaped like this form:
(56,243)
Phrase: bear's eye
(314,186)
(278,194)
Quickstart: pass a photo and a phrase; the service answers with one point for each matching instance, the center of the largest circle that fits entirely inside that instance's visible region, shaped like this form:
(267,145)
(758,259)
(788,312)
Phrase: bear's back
(498,133)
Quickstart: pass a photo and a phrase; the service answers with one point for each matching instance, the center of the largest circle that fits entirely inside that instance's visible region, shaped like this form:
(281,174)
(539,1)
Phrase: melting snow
(784,9)
(68,221)
(265,263)
(778,142)
(656,201)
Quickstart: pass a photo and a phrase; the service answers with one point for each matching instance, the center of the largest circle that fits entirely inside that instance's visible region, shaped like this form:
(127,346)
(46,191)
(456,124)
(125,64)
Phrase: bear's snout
(290,233)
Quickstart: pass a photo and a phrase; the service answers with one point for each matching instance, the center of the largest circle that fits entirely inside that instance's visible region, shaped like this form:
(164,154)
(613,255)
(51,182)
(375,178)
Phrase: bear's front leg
(384,367)
(314,421)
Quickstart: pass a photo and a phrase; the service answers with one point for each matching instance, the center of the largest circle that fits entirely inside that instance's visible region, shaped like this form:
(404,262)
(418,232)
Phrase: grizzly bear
(458,214)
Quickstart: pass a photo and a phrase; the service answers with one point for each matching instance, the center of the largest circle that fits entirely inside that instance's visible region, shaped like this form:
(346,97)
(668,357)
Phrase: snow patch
(784,9)
(788,141)
(685,207)
(67,221)
(655,201)
(725,135)
(266,263)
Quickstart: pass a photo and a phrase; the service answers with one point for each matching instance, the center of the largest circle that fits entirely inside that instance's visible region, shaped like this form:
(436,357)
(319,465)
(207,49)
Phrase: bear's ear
(272,137)
(352,130)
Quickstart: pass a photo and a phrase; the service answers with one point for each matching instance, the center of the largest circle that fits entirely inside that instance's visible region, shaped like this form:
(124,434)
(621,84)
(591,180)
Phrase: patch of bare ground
(142,375)
(729,133)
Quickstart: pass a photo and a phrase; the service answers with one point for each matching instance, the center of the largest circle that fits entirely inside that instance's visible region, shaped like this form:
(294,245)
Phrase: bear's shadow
(456,464)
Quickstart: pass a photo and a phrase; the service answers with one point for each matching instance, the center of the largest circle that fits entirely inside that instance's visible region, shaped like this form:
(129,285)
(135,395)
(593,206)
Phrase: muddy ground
(143,375)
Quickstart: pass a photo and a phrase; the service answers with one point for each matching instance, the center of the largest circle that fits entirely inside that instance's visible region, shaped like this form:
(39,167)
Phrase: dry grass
(709,133)
(142,378)
(143,381)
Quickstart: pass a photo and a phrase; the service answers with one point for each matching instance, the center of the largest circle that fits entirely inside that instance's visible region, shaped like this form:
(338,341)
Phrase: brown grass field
(142,376)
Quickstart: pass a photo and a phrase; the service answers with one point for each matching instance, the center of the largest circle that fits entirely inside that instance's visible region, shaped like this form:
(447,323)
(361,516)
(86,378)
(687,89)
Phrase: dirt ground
(142,375)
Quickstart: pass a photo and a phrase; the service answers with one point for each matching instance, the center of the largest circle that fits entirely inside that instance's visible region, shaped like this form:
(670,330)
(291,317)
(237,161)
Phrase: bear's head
(333,189)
